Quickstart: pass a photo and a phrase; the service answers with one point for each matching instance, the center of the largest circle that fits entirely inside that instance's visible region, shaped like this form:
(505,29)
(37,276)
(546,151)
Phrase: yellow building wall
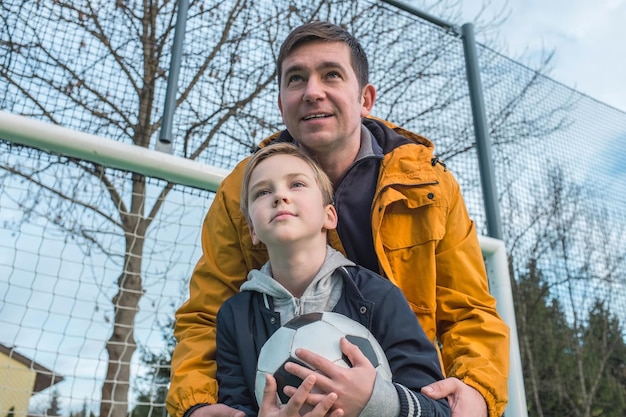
(16,386)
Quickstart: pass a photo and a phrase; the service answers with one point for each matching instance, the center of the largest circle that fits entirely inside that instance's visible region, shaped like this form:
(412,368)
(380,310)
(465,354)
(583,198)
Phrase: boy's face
(320,99)
(286,204)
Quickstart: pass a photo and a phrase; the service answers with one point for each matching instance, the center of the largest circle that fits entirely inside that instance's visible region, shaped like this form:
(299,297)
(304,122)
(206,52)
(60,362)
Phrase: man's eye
(295,78)
(333,74)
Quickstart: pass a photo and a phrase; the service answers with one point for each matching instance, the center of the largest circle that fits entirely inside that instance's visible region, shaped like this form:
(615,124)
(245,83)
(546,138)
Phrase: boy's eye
(298,184)
(261,193)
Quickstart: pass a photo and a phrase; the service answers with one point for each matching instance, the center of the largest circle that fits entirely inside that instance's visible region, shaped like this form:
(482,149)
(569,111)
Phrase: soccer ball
(319,333)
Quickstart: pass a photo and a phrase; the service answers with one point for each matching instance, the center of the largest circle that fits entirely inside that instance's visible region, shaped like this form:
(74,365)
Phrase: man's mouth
(316,116)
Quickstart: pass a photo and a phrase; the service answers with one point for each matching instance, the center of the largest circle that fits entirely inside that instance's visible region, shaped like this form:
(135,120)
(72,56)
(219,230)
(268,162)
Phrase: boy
(287,201)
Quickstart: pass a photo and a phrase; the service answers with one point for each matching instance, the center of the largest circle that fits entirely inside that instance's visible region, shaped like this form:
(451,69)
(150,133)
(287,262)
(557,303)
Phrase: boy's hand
(353,386)
(296,406)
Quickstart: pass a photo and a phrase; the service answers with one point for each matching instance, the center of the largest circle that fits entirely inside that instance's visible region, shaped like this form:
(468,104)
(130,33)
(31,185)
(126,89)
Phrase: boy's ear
(331,217)
(253,236)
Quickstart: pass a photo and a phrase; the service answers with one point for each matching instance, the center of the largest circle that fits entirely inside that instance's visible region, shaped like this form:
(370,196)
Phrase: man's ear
(331,217)
(280,105)
(368,97)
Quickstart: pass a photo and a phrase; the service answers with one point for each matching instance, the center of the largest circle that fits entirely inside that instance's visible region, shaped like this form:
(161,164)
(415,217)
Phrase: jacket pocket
(403,227)
(410,236)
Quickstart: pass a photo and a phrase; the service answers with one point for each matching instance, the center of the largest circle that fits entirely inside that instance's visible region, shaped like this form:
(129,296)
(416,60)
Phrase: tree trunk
(121,345)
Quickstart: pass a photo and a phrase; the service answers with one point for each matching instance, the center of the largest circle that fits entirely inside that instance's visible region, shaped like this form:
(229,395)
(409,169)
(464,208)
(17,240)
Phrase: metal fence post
(164,143)
(481,128)
(500,287)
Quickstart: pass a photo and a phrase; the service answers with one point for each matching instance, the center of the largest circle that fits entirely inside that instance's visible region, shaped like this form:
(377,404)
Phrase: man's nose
(314,89)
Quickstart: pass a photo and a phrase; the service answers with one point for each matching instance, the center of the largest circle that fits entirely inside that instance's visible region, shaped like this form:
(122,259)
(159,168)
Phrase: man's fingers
(442,389)
(217,410)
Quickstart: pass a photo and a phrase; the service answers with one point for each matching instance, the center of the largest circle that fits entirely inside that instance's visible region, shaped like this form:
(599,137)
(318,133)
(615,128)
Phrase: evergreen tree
(84,412)
(569,369)
(544,340)
(605,351)
(54,409)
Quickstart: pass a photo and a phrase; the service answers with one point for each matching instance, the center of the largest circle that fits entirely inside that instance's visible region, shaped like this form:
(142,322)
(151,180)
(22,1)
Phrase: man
(401,214)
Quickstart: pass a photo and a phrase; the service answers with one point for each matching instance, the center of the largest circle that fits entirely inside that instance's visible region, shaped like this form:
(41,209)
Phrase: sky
(588,39)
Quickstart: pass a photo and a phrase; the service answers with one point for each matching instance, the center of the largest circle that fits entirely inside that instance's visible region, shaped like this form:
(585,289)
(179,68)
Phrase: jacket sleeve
(222,268)
(233,389)
(438,264)
(413,359)
(474,338)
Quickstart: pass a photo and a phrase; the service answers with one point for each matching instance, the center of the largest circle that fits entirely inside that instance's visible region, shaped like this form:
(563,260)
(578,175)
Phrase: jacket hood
(321,294)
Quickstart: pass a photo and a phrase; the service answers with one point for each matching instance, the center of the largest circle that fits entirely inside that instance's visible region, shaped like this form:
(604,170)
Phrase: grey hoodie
(322,294)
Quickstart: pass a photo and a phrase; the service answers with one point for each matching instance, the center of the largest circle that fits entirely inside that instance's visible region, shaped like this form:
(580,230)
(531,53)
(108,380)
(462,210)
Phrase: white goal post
(108,152)
(152,163)
(496,262)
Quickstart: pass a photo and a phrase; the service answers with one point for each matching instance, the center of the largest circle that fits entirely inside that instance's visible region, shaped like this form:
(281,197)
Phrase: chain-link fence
(74,236)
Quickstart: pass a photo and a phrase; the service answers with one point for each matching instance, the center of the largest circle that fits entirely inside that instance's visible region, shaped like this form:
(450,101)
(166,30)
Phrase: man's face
(320,99)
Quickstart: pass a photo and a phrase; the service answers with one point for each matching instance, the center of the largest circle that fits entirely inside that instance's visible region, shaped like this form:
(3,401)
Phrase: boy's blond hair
(283,148)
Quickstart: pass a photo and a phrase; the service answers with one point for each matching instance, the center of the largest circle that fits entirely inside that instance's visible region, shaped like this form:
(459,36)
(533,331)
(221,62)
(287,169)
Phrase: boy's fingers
(354,354)
(324,406)
(269,392)
(298,370)
(312,358)
(298,399)
(312,399)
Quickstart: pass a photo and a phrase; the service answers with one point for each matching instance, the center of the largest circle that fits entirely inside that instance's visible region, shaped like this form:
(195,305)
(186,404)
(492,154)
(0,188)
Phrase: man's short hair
(283,148)
(325,32)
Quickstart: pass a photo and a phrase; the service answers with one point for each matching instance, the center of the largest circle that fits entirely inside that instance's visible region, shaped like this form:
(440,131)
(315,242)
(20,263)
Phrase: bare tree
(106,75)
(101,67)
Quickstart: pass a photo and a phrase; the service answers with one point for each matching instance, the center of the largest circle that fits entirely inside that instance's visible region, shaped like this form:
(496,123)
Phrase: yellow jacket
(426,244)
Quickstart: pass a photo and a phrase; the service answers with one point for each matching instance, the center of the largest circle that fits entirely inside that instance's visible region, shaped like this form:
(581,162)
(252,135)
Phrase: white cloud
(586,37)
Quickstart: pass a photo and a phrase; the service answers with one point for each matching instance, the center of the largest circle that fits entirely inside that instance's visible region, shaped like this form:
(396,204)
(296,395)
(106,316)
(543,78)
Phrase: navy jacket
(244,324)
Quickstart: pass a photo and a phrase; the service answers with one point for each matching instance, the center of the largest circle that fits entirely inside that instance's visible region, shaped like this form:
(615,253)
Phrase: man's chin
(316,141)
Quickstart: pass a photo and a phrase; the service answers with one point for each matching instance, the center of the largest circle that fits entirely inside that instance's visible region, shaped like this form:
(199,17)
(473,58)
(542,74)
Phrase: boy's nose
(280,198)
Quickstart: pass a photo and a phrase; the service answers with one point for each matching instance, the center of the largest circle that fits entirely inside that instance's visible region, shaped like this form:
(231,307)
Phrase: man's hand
(353,386)
(464,400)
(217,410)
(296,406)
